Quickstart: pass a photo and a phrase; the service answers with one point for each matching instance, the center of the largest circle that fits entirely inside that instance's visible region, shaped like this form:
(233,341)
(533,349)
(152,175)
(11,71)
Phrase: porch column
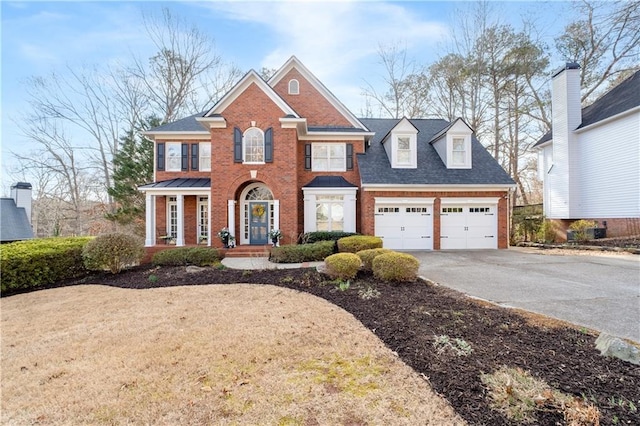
(150,221)
(276,214)
(209,230)
(180,220)
(231,219)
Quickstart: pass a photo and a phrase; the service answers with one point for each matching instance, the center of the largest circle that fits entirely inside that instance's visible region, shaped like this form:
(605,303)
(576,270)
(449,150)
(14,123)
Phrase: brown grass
(233,354)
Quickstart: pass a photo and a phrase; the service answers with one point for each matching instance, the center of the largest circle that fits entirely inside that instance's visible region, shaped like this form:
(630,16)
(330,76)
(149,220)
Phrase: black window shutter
(349,156)
(307,156)
(194,156)
(185,157)
(237,145)
(268,145)
(160,157)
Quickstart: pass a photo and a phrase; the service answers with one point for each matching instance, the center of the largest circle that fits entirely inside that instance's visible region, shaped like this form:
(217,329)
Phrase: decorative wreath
(258,210)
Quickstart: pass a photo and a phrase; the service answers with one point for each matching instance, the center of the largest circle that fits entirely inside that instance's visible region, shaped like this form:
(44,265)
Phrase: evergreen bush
(302,252)
(113,252)
(197,256)
(356,243)
(343,266)
(314,237)
(368,255)
(395,267)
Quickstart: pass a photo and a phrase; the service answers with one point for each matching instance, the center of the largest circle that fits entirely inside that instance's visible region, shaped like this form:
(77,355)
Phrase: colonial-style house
(590,160)
(287,154)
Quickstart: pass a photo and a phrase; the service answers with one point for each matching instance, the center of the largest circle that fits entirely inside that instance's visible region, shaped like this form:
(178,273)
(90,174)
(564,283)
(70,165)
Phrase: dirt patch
(410,318)
(236,354)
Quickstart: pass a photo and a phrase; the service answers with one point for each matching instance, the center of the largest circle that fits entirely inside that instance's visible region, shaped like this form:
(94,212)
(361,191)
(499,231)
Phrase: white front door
(467,226)
(404,226)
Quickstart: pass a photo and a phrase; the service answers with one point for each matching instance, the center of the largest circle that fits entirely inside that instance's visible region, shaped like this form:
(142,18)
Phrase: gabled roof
(14,225)
(251,77)
(441,133)
(375,168)
(293,62)
(624,97)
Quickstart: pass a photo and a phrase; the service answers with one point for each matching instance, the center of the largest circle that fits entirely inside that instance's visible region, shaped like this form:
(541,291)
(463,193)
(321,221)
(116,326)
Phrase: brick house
(287,154)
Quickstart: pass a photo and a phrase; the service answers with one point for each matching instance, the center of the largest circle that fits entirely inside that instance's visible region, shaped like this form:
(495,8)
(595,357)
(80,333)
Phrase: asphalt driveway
(594,291)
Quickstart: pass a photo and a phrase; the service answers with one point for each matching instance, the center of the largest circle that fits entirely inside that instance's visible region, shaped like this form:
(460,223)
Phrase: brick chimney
(566,117)
(21,194)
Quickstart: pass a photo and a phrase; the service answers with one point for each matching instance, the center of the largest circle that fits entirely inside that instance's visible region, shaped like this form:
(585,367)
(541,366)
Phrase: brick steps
(248,251)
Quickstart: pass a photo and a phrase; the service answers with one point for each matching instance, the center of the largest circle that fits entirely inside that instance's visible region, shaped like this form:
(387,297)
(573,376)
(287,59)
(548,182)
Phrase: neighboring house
(286,154)
(590,160)
(15,214)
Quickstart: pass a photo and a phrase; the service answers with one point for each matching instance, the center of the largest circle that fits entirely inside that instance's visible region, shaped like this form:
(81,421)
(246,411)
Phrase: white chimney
(21,194)
(566,111)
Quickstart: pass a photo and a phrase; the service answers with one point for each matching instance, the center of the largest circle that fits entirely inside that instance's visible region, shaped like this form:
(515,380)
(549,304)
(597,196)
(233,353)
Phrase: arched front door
(257,214)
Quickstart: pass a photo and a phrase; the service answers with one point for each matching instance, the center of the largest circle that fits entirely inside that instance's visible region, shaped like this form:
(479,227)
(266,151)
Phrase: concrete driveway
(601,292)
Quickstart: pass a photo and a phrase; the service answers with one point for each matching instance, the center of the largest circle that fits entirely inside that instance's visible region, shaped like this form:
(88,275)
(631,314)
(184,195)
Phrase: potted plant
(275,236)
(226,237)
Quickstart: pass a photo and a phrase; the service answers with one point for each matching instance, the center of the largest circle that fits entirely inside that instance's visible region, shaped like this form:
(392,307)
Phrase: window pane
(336,151)
(174,157)
(458,157)
(404,157)
(205,156)
(403,143)
(253,146)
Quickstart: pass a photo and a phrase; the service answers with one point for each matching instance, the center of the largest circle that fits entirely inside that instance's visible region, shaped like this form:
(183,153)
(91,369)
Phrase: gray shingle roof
(329,182)
(14,225)
(623,97)
(375,167)
(187,124)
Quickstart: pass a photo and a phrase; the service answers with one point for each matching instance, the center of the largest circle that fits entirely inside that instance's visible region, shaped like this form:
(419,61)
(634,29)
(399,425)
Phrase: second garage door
(405,226)
(468,226)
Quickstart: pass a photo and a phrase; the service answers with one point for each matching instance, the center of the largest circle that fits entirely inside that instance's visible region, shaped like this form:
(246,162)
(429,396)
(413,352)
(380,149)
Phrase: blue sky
(337,40)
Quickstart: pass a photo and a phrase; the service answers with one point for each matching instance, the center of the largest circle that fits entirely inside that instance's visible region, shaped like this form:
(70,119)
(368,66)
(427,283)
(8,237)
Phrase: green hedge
(358,243)
(395,267)
(302,252)
(198,256)
(34,263)
(344,266)
(314,237)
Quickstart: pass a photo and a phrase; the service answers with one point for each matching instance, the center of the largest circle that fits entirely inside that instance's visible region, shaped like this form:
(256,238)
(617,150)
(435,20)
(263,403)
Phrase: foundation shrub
(343,266)
(35,263)
(358,243)
(395,267)
(302,252)
(314,237)
(182,256)
(113,252)
(579,227)
(368,255)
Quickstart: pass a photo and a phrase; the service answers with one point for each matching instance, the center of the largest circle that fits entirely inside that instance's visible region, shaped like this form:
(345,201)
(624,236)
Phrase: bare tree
(605,42)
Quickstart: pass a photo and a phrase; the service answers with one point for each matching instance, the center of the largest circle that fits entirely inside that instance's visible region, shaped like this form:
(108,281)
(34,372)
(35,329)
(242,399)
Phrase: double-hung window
(253,145)
(328,157)
(458,152)
(404,150)
(205,156)
(174,157)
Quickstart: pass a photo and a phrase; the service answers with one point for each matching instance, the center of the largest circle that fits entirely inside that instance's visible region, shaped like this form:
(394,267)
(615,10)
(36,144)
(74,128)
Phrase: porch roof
(179,183)
(329,182)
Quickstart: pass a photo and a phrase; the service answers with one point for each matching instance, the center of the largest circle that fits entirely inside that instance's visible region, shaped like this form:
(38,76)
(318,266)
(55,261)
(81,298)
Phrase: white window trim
(349,207)
(166,157)
(315,146)
(467,145)
(413,154)
(171,202)
(207,168)
(293,82)
(244,150)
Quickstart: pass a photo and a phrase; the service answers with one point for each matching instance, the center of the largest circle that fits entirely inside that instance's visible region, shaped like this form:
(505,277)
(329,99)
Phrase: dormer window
(459,147)
(401,145)
(294,87)
(404,150)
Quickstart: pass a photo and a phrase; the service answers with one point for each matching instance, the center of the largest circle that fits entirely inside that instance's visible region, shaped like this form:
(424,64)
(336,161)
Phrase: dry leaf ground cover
(235,354)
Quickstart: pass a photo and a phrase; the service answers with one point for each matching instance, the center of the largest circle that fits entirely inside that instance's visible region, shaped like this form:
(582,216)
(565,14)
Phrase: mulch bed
(407,317)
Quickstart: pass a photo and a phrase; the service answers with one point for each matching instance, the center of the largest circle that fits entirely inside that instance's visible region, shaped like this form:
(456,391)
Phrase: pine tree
(133,166)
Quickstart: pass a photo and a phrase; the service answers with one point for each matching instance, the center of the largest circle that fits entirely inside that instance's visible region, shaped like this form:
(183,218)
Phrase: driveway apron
(597,292)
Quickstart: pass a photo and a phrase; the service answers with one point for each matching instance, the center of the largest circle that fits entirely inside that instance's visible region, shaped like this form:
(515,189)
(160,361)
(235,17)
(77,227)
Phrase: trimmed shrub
(113,252)
(344,266)
(358,243)
(197,256)
(579,228)
(394,266)
(368,255)
(302,252)
(314,237)
(34,263)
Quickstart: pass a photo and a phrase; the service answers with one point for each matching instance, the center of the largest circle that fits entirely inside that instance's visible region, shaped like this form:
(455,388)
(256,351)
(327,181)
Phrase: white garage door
(468,226)
(405,227)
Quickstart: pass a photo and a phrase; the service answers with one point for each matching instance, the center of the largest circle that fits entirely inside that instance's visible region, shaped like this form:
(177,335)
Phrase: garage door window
(417,210)
(329,213)
(452,210)
(479,210)
(388,209)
